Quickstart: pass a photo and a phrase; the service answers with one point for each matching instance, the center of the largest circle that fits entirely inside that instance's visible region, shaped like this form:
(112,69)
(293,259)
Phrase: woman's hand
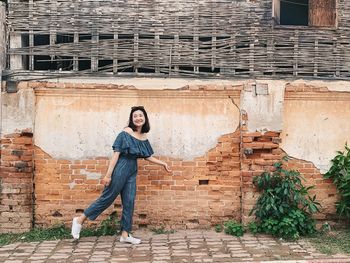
(106,180)
(159,162)
(166,167)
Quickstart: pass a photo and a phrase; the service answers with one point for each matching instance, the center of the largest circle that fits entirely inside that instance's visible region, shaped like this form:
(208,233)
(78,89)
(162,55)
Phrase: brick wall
(16,182)
(204,191)
(64,187)
(260,152)
(325,190)
(200,193)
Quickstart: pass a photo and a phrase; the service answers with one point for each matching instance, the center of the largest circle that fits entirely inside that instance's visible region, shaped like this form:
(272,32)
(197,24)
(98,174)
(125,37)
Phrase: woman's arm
(156,161)
(112,163)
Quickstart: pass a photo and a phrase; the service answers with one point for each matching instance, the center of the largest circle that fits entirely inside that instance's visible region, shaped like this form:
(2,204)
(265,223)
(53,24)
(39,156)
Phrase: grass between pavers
(332,242)
(61,232)
(36,234)
(53,233)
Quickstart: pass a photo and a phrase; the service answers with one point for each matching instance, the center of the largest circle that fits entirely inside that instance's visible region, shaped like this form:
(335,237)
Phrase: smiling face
(138,118)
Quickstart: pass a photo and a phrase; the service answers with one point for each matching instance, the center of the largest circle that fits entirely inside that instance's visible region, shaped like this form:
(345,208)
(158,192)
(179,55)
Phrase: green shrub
(339,173)
(284,207)
(253,227)
(109,227)
(233,228)
(218,228)
(161,230)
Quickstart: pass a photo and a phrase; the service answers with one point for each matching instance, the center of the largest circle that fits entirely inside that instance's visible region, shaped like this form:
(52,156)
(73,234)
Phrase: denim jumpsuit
(123,179)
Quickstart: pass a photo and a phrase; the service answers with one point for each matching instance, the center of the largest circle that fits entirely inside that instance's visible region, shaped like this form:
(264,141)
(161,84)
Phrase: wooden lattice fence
(195,38)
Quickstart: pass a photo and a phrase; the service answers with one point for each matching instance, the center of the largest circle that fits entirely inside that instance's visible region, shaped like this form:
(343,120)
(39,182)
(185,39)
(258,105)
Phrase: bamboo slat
(193,38)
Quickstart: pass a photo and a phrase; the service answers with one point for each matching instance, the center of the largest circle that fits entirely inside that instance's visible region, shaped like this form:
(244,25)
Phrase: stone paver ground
(182,246)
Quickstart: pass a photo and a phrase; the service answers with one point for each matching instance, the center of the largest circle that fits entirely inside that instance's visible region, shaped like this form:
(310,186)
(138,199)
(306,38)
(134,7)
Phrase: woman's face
(138,118)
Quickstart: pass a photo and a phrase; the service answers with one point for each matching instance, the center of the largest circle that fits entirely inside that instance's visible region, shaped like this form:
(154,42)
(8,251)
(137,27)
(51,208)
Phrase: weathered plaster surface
(150,83)
(17,111)
(332,85)
(90,175)
(265,112)
(315,130)
(78,126)
(176,83)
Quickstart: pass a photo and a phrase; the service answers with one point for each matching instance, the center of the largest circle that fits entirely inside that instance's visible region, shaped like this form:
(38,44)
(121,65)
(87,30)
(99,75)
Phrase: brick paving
(182,246)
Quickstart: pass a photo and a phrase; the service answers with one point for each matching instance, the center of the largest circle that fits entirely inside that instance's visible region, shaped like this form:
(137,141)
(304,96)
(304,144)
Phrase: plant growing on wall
(339,173)
(284,207)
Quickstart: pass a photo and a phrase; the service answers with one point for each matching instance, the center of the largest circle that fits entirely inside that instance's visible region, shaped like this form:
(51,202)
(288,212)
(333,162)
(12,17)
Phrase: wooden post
(156,59)
(270,58)
(76,37)
(115,52)
(175,49)
(94,50)
(75,58)
(136,52)
(337,57)
(196,38)
(233,54)
(115,38)
(276,11)
(136,39)
(53,26)
(176,53)
(2,37)
(251,59)
(196,54)
(213,53)
(31,35)
(157,39)
(15,40)
(316,58)
(296,53)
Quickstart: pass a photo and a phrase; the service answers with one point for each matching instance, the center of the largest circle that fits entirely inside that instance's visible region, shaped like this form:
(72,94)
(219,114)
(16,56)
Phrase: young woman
(120,178)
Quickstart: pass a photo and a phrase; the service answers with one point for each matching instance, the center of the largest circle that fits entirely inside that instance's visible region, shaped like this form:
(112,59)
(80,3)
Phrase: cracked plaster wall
(314,126)
(17,111)
(88,125)
(263,102)
(83,125)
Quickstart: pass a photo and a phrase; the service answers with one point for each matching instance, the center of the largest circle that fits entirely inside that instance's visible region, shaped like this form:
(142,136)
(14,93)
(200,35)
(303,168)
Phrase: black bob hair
(146,127)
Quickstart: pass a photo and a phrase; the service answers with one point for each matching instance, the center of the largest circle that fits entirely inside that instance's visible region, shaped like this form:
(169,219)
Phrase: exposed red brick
(16,173)
(59,182)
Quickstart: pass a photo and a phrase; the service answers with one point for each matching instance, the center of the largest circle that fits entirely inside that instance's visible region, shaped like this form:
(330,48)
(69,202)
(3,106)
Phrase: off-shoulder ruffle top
(132,147)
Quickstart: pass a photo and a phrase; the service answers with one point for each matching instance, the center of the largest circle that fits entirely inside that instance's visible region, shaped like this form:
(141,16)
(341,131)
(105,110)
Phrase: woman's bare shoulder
(128,130)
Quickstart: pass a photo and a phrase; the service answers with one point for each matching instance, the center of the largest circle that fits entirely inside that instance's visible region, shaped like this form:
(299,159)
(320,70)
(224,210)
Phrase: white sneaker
(130,239)
(76,228)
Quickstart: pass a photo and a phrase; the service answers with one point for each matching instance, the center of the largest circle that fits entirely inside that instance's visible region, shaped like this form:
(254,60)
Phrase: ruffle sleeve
(146,149)
(120,144)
